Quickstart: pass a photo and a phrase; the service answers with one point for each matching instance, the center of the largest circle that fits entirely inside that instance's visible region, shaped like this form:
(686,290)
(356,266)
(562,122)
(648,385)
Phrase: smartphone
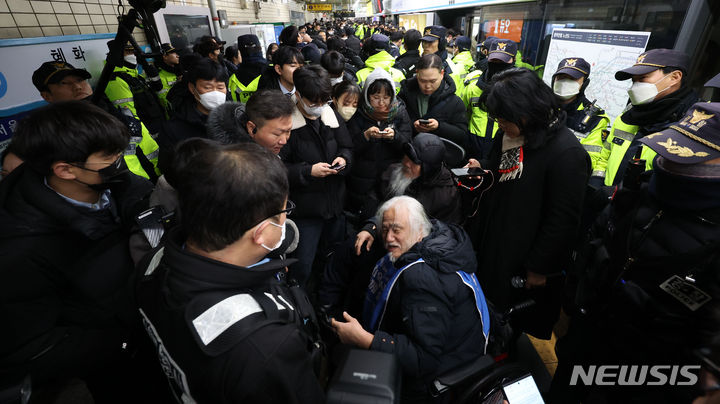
(424,121)
(337,167)
(467,171)
(523,391)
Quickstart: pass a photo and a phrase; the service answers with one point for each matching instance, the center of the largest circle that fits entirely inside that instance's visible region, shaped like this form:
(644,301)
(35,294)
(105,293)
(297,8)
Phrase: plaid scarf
(382,117)
(511,160)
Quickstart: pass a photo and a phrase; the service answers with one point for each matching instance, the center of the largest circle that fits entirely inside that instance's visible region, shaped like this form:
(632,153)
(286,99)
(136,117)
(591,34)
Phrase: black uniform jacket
(198,312)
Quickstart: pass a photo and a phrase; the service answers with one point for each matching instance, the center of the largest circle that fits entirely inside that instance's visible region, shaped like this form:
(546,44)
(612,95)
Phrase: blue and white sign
(20,57)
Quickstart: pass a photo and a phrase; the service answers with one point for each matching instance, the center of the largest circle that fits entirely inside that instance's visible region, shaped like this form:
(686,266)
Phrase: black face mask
(495,68)
(109,176)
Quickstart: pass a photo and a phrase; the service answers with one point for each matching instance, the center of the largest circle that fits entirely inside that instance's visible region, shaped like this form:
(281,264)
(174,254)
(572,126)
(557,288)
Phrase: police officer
(225,324)
(652,267)
(584,118)
(129,91)
(433,41)
(483,48)
(60,81)
(377,47)
(462,57)
(245,82)
(168,69)
(501,56)
(659,96)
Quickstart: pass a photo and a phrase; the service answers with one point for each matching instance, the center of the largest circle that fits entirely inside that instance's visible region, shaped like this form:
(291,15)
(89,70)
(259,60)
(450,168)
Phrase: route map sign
(607,52)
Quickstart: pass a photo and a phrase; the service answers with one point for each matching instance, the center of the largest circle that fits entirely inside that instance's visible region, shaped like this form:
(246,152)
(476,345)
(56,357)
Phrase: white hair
(417,218)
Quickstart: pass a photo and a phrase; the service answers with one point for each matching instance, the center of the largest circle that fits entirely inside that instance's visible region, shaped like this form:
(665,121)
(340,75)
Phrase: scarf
(668,109)
(176,70)
(380,116)
(511,159)
(693,187)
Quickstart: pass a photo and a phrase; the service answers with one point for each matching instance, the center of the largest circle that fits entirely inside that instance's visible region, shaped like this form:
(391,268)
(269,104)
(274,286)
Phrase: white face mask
(346,112)
(643,93)
(212,99)
(132,59)
(312,111)
(336,80)
(282,236)
(566,88)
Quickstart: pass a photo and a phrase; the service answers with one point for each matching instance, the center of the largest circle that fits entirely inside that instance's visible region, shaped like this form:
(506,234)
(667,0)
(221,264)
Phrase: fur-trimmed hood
(226,124)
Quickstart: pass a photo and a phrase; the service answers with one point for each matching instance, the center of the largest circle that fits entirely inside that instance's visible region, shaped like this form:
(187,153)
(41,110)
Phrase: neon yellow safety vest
(519,63)
(617,144)
(464,61)
(149,148)
(462,64)
(592,142)
(240,92)
(168,80)
(382,60)
(119,93)
(477,117)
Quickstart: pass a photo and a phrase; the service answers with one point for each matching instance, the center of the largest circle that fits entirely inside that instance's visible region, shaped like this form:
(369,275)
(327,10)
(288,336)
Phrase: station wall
(39,18)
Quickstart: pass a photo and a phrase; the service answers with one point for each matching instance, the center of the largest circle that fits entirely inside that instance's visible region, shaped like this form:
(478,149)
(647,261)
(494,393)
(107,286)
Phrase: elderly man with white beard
(422,175)
(423,302)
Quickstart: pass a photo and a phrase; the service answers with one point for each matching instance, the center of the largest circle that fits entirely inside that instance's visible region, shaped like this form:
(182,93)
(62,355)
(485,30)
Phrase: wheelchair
(495,378)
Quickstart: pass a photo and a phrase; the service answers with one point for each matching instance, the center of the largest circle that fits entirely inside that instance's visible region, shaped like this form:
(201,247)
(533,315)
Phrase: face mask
(336,80)
(566,88)
(131,59)
(312,111)
(643,93)
(212,99)
(346,112)
(109,176)
(495,68)
(282,236)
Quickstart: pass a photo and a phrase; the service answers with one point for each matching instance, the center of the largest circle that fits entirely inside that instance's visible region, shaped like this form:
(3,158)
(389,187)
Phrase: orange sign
(504,29)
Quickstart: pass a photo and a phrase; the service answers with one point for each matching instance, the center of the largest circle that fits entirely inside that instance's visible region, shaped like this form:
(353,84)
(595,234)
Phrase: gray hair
(418,220)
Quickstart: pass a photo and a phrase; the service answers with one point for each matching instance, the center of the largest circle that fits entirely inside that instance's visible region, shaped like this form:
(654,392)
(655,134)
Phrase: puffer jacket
(431,321)
(185,123)
(372,157)
(225,124)
(317,142)
(650,280)
(65,270)
(443,106)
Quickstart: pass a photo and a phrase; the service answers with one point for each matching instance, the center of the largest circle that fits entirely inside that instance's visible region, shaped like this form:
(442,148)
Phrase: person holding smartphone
(378,130)
(432,104)
(317,156)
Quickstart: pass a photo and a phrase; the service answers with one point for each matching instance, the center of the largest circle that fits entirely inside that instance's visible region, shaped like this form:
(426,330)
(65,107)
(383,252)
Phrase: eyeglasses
(116,164)
(289,207)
